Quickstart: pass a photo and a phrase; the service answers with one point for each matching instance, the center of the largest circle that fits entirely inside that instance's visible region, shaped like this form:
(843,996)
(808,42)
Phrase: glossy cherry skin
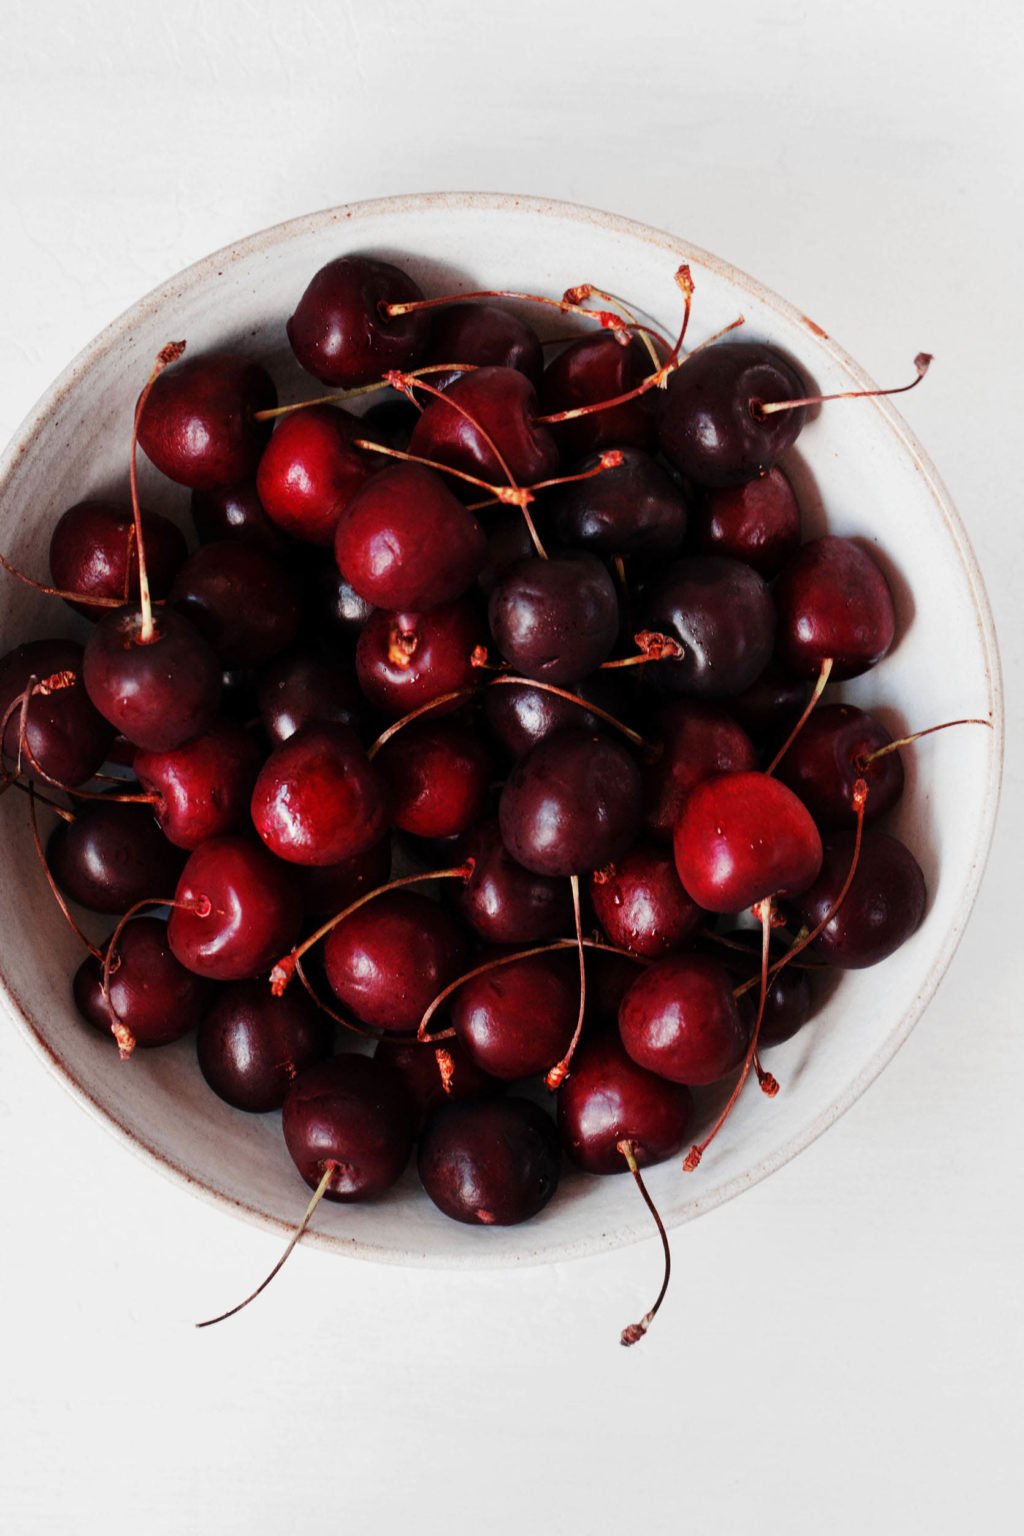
(240,599)
(485,336)
(335,611)
(633,509)
(742,837)
(572,804)
(680,1020)
(833,601)
(436,774)
(329,888)
(92,551)
(708,425)
(317,800)
(203,788)
(589,370)
(517,1020)
(641,904)
(160,693)
(788,1002)
(502,902)
(353,1111)
(404,660)
(723,614)
(111,856)
(502,404)
(198,425)
(494,1163)
(520,716)
(405,541)
(882,909)
(243,914)
(339,332)
(758,522)
(308,688)
(232,512)
(771,706)
(607,1098)
(696,741)
(310,471)
(556,620)
(827,758)
(67,737)
(434,1075)
(151,992)
(251,1045)
(389,960)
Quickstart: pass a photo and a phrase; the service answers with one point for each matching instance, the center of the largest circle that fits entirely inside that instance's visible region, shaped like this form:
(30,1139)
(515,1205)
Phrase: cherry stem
(330,1168)
(652,646)
(201,906)
(509,680)
(167,355)
(824,673)
(587,290)
(445,1068)
(635,1331)
(364,1031)
(766,1081)
(340,396)
(611,458)
(30,789)
(57,895)
(759,409)
(69,597)
(609,321)
(865,760)
(414,714)
(560,1071)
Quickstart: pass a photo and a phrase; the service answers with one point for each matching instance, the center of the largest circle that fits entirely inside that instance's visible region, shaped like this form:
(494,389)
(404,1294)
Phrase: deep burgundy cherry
(833,600)
(723,614)
(827,758)
(504,903)
(607,1098)
(405,541)
(883,907)
(696,741)
(159,693)
(317,800)
(310,471)
(517,1020)
(788,1001)
(339,332)
(708,425)
(508,542)
(244,914)
(252,1045)
(203,788)
(391,422)
(198,425)
(502,402)
(436,774)
(572,804)
(758,522)
(111,856)
(641,904)
(331,887)
(680,1020)
(309,687)
(434,1074)
(556,620)
(151,993)
(520,716)
(742,837)
(771,706)
(389,960)
(598,368)
(240,599)
(485,336)
(231,512)
(634,508)
(494,1163)
(354,1112)
(92,551)
(404,660)
(66,736)
(335,611)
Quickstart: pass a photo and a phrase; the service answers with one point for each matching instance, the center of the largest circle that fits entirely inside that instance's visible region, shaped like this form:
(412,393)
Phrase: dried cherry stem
(635,1331)
(363,1030)
(330,1168)
(201,906)
(611,458)
(651,646)
(58,897)
(824,673)
(766,1081)
(605,318)
(645,333)
(340,396)
(445,1068)
(560,1071)
(864,761)
(759,409)
(415,714)
(167,355)
(510,680)
(69,597)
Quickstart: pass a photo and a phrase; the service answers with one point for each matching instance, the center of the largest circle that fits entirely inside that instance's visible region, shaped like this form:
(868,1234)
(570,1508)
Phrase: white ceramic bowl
(857,467)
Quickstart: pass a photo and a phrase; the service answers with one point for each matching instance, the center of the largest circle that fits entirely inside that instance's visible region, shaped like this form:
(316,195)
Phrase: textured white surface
(845,1344)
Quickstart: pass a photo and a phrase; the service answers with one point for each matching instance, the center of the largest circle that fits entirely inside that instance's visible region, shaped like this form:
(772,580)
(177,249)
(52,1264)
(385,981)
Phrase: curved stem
(824,673)
(166,356)
(607,320)
(762,408)
(69,597)
(340,396)
(119,1029)
(416,714)
(866,759)
(635,1331)
(507,680)
(57,895)
(560,1071)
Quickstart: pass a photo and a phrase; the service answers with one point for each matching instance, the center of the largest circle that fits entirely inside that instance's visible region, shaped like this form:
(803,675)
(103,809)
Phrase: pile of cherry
(547,636)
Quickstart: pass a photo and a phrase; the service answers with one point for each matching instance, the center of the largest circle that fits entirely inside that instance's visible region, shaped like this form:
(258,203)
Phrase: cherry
(310,471)
(709,425)
(111,856)
(405,541)
(251,1045)
(337,613)
(518,1019)
(434,1075)
(825,761)
(501,901)
(92,551)
(332,887)
(391,422)
(404,660)
(158,692)
(340,332)
(238,910)
(153,998)
(697,740)
(198,423)
(722,613)
(632,508)
(742,837)
(437,774)
(595,368)
(240,599)
(788,1004)
(233,512)
(833,601)
(882,909)
(608,1098)
(770,706)
(520,716)
(483,335)
(353,1112)
(494,1163)
(572,804)
(641,905)
(389,960)
(758,522)
(317,800)
(201,789)
(555,620)
(308,688)
(64,733)
(680,1020)
(484,425)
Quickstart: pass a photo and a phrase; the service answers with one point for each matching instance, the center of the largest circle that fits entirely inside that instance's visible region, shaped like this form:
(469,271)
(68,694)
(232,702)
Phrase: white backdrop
(844,1345)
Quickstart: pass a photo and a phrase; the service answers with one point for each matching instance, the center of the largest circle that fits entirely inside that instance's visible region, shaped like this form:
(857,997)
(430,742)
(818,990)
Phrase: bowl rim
(219,261)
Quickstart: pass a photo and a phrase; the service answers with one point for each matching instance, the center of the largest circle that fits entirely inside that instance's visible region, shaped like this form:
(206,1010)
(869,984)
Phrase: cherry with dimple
(387,961)
(490,1163)
(404,660)
(483,424)
(237,909)
(833,750)
(153,999)
(641,904)
(743,837)
(340,331)
(201,789)
(721,612)
(317,800)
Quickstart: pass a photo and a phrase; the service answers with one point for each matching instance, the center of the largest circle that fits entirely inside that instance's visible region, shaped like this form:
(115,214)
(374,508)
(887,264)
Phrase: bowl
(858,470)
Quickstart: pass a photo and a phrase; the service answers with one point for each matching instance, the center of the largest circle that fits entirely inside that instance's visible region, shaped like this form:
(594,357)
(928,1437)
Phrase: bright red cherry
(203,788)
(310,471)
(238,910)
(198,425)
(389,960)
(317,800)
(833,601)
(607,1098)
(680,1020)
(92,551)
(641,904)
(502,405)
(742,837)
(340,332)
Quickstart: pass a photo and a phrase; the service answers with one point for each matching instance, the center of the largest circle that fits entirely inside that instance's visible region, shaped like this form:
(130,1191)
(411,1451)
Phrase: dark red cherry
(633,509)
(159,693)
(788,1001)
(589,370)
(680,1020)
(405,541)
(508,542)
(517,1020)
(607,1098)
(770,707)
(696,740)
(389,960)
(65,734)
(742,837)
(317,800)
(436,774)
(833,600)
(354,1112)
(310,471)
(240,599)
(92,551)
(758,522)
(335,611)
(708,421)
(827,758)
(151,994)
(404,660)
(504,903)
(198,424)
(231,512)
(391,422)
(490,1163)
(203,788)
(641,905)
(111,856)
(572,804)
(309,688)
(556,620)
(331,887)
(243,910)
(252,1045)
(484,336)
(882,909)
(502,404)
(340,332)
(520,716)
(722,613)
(434,1074)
